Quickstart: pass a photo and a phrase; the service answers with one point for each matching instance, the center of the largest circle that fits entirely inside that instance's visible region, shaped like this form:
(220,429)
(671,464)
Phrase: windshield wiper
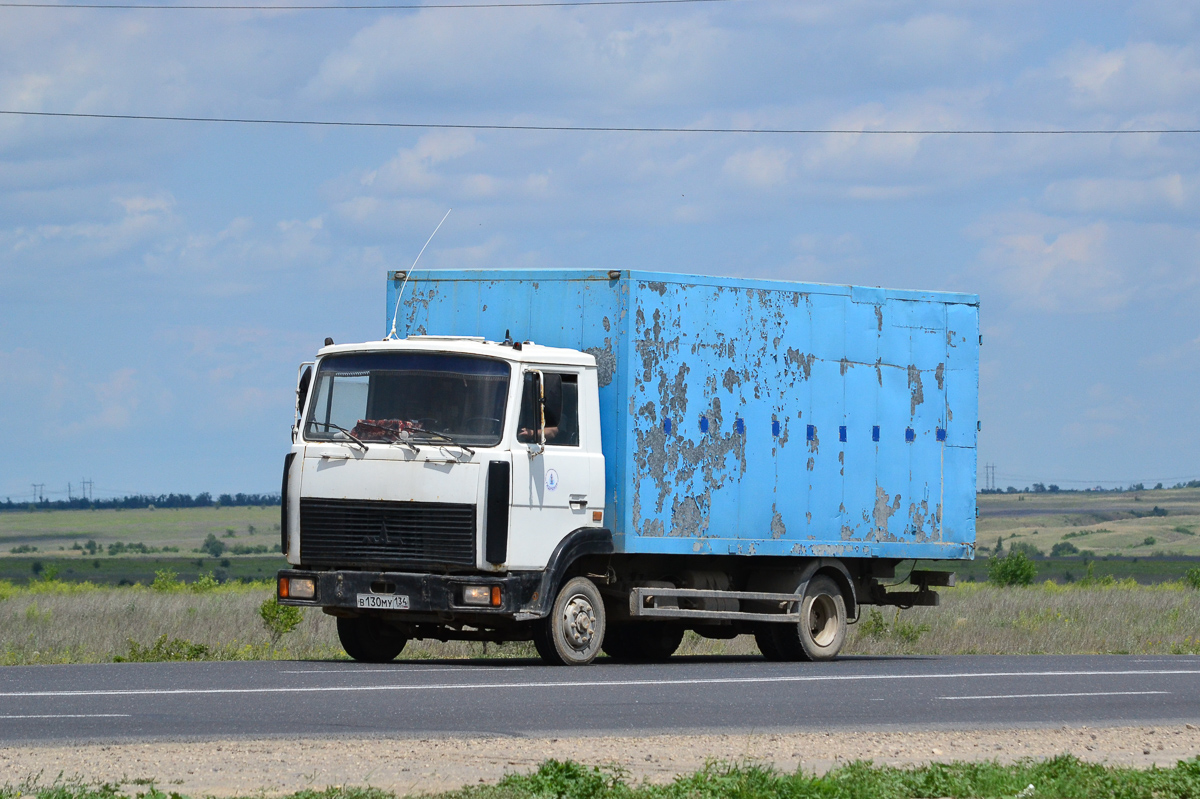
(349,435)
(446,438)
(396,436)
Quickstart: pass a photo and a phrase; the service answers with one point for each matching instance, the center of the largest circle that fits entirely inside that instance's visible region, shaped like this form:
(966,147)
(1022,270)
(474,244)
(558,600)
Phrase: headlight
(297,588)
(481,595)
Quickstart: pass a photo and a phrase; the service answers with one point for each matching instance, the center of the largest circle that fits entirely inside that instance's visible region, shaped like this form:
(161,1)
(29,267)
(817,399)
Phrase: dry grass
(1047,619)
(1039,620)
(83,623)
(72,623)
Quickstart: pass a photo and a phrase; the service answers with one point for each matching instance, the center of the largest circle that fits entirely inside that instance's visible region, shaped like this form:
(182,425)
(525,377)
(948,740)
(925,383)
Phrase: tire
(369,640)
(642,642)
(573,633)
(822,629)
(764,636)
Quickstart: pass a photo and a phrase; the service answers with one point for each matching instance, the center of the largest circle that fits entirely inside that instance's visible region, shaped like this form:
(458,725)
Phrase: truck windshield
(378,396)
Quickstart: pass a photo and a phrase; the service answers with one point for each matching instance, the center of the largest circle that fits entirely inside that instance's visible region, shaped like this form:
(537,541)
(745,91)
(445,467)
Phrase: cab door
(552,482)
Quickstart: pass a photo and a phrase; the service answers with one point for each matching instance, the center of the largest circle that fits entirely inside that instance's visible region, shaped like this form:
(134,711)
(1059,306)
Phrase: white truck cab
(411,461)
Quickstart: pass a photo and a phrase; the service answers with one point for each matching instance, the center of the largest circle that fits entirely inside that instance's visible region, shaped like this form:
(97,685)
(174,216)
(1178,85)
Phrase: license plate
(383,601)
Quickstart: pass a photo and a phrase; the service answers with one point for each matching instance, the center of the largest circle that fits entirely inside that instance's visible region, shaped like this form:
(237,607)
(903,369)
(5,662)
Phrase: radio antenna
(407,275)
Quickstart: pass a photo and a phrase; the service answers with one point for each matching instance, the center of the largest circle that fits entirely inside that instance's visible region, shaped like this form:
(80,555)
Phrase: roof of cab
(468,345)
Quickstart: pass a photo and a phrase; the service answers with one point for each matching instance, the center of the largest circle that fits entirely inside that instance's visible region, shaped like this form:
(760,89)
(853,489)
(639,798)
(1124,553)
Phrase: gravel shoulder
(404,766)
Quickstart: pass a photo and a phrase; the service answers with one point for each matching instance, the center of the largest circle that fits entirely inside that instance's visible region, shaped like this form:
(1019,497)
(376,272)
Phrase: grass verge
(51,621)
(1062,777)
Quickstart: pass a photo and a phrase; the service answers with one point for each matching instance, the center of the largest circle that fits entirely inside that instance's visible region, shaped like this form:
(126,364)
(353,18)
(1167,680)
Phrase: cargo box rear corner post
(601,461)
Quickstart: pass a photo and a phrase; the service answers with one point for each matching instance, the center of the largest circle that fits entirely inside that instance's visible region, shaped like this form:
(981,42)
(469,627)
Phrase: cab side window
(561,409)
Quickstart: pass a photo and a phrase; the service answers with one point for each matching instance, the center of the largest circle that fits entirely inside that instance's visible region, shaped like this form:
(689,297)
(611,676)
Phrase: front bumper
(430,597)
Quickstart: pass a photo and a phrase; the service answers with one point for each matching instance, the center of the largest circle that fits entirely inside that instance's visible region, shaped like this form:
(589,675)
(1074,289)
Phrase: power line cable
(382,7)
(612,129)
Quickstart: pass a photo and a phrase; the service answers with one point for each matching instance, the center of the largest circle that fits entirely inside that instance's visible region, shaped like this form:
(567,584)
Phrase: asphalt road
(423,699)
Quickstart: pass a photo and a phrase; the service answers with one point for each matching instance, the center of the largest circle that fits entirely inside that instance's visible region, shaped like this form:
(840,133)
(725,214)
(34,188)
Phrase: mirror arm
(539,446)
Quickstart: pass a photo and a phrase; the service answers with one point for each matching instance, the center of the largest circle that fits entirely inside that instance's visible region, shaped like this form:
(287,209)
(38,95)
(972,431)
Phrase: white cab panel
(556,491)
(294,487)
(390,472)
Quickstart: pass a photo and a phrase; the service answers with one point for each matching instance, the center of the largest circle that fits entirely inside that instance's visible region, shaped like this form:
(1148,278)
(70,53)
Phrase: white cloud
(144,218)
(762,167)
(1119,195)
(1136,76)
(412,168)
(930,40)
(116,401)
(552,54)
(1104,416)
(1046,264)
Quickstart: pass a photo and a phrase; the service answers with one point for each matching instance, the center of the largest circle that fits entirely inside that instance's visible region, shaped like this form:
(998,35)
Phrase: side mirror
(303,381)
(535,409)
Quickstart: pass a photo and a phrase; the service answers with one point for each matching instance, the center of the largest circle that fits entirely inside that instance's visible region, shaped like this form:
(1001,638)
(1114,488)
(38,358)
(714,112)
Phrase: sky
(160,281)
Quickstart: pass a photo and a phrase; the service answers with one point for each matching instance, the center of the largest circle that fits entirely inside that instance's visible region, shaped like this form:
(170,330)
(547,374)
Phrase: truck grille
(343,532)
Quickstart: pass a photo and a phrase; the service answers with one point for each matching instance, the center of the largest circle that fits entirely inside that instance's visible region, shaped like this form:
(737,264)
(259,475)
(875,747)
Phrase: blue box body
(750,416)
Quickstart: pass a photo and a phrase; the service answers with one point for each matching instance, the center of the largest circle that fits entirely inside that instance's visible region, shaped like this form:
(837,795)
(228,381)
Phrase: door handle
(578,503)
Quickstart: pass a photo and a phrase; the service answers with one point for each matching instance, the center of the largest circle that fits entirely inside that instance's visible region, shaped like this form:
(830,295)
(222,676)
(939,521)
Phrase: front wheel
(574,631)
(369,640)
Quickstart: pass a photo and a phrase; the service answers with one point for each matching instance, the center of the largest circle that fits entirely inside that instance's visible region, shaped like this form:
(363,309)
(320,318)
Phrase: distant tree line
(136,501)
(1042,488)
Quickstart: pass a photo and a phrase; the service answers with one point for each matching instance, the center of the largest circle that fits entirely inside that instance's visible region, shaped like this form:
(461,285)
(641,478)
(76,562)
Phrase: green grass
(1062,777)
(1147,570)
(102,569)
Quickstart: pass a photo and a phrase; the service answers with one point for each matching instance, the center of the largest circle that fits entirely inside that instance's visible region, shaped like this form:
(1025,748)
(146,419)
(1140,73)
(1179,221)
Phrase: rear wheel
(574,631)
(822,628)
(369,640)
(642,642)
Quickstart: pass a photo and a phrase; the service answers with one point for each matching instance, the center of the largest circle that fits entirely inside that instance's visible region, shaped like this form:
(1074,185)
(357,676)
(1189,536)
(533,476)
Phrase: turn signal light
(297,588)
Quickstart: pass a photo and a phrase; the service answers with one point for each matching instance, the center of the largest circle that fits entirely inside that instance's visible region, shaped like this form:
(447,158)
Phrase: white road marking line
(72,716)
(465,670)
(577,684)
(1041,696)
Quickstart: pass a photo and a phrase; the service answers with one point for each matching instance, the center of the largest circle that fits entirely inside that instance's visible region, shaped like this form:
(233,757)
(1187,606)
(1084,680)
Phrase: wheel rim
(579,623)
(823,620)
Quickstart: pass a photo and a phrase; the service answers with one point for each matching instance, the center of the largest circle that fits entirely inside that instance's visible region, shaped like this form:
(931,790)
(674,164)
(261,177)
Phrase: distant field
(1114,527)
(186,528)
(1124,524)
(32,543)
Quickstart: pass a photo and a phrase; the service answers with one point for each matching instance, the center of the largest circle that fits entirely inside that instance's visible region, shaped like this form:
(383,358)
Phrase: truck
(601,461)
